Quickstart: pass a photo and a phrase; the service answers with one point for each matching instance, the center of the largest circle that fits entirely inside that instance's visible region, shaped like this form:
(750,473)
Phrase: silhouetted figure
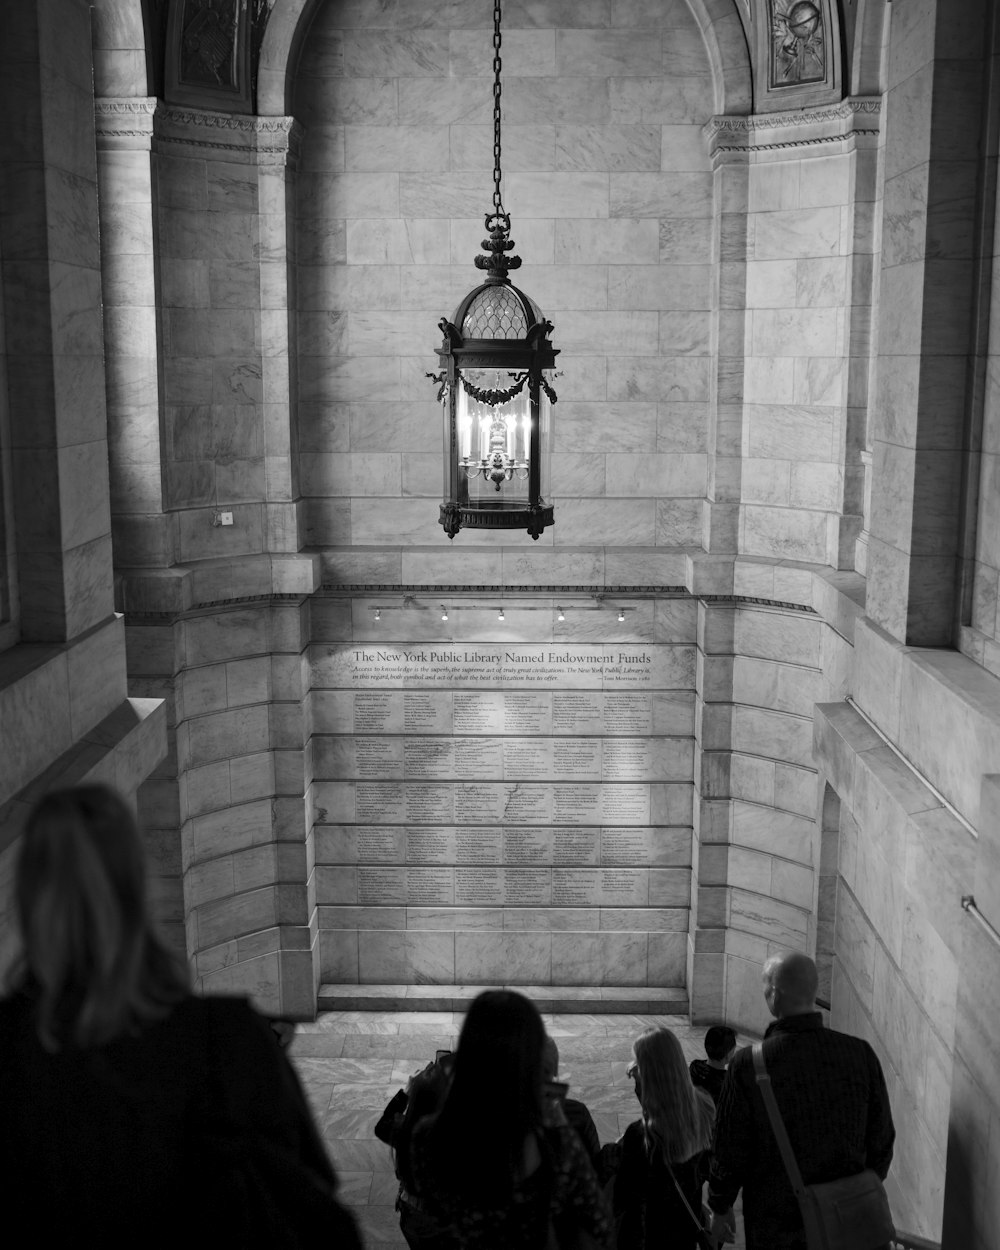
(831,1095)
(422,1097)
(576,1113)
(657,1190)
(498,1161)
(709,1074)
(133,1112)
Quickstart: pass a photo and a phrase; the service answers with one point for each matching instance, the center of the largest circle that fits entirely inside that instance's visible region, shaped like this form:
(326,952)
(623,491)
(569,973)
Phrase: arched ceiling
(131,37)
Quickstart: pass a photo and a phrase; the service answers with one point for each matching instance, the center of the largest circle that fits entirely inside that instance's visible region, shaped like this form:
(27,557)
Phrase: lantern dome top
(495,311)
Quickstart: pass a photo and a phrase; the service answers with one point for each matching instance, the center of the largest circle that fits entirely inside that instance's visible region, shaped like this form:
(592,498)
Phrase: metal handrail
(969,905)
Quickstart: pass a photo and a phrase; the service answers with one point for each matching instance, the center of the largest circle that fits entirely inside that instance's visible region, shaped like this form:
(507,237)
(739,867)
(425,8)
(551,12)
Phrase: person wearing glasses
(657,1188)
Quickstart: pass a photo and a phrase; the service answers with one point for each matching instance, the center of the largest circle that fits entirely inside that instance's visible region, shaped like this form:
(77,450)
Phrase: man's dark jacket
(831,1093)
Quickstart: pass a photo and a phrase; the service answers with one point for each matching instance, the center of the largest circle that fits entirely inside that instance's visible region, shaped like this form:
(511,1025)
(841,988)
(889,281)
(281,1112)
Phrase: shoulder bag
(847,1214)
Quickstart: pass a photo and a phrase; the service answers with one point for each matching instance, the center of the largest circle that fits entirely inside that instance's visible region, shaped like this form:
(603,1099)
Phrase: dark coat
(196,1127)
(648,1210)
(831,1093)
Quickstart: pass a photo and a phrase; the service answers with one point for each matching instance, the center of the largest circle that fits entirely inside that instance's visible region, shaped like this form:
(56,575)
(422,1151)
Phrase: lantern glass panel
(544,443)
(493,448)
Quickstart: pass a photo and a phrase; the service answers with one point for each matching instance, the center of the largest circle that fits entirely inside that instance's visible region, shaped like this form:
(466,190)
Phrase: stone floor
(352,1062)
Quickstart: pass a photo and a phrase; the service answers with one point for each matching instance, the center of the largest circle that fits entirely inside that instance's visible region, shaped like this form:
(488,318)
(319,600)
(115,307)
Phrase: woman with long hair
(497,1165)
(127,1100)
(657,1190)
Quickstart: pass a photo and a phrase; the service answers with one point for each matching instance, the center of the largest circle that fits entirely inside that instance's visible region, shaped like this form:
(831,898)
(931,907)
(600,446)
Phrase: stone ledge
(595,1000)
(121,751)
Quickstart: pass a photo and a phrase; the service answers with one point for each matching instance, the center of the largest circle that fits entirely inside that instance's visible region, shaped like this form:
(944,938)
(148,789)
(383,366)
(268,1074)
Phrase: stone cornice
(858,116)
(124,121)
(264,140)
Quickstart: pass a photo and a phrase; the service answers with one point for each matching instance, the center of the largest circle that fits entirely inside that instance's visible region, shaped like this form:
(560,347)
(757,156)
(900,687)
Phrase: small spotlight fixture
(561,616)
(378,614)
(621,614)
(500,615)
(444,613)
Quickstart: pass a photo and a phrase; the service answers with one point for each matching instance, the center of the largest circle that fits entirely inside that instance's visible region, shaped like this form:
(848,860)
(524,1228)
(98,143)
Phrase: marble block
(391,241)
(603,958)
(447,101)
(560,195)
(612,333)
(671,100)
(411,53)
(578,100)
(589,427)
(768,917)
(683,286)
(657,195)
(504,958)
(812,232)
(612,521)
(682,238)
(526,149)
(611,148)
(684,378)
(610,242)
(407,956)
(533,52)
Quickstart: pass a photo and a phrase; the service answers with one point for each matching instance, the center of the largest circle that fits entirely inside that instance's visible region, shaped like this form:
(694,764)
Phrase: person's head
(91,957)
(495,1097)
(677,1120)
(790,982)
(720,1042)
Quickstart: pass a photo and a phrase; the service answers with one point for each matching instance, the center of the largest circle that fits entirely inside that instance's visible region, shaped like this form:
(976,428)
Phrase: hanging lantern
(495,385)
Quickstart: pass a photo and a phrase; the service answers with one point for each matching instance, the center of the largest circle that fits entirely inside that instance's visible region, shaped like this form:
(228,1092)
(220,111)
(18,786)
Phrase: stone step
(596,1000)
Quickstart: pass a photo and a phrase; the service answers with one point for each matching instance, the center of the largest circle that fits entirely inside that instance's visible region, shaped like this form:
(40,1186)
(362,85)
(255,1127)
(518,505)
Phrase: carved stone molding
(124,122)
(260,140)
(846,122)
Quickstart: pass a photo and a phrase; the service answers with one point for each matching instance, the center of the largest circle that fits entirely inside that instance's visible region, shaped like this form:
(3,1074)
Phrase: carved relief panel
(211,50)
(798,54)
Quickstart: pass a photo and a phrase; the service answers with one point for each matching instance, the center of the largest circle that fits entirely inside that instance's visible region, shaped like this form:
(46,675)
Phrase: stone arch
(864,75)
(124,65)
(721,26)
(279,54)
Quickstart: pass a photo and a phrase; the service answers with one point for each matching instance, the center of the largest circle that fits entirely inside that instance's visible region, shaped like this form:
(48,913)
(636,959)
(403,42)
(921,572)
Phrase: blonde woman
(135,1113)
(657,1190)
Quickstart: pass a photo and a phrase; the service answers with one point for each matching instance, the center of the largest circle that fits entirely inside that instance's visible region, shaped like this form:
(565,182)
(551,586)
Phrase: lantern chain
(497,201)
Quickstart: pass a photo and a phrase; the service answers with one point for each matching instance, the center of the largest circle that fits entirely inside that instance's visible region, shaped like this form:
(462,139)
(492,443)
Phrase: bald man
(832,1096)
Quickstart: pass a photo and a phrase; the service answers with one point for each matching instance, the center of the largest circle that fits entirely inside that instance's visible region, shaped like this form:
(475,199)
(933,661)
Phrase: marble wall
(607,180)
(225,812)
(907,849)
(66,715)
(932,319)
(503,802)
(757,837)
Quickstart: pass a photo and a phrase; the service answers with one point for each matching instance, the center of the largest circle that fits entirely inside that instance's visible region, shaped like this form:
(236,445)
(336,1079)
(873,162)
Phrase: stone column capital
(229,136)
(124,123)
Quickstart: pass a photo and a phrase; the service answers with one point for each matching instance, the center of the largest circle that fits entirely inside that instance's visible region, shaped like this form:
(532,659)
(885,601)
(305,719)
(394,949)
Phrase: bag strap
(700,1228)
(777,1123)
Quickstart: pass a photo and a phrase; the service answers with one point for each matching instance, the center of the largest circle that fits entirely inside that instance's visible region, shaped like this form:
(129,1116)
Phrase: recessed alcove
(774,449)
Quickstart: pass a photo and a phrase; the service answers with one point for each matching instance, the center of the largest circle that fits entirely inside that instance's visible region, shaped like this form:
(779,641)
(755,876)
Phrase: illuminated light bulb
(378,614)
(500,615)
(444,613)
(561,616)
(621,614)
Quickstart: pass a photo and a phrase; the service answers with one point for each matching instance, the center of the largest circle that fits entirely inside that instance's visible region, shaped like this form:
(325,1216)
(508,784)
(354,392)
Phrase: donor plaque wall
(503,813)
